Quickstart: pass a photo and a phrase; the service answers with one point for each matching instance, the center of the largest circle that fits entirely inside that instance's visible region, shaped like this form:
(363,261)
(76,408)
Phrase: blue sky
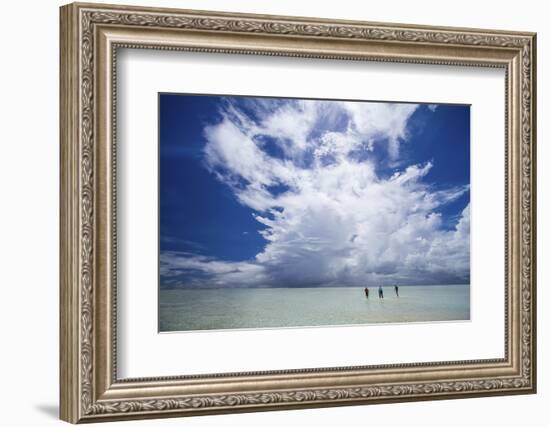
(260,192)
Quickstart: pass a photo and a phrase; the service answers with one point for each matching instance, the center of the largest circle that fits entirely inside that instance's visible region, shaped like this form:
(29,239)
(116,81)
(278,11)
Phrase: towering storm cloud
(337,202)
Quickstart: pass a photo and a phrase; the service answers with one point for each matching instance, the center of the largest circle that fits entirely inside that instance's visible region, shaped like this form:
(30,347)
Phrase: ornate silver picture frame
(91,36)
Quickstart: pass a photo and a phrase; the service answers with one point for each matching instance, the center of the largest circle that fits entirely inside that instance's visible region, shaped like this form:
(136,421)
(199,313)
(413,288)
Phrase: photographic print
(212,196)
(287,212)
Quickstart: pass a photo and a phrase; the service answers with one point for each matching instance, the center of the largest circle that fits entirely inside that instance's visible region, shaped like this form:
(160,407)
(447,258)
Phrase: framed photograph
(266,212)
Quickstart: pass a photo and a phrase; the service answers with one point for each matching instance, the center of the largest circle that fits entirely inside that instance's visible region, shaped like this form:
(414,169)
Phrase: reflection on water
(207,309)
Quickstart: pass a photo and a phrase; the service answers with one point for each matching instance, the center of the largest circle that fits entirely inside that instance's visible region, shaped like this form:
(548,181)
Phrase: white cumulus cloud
(309,170)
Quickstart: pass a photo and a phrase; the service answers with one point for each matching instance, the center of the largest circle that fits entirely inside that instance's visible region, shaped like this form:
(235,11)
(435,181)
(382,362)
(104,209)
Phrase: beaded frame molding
(90,37)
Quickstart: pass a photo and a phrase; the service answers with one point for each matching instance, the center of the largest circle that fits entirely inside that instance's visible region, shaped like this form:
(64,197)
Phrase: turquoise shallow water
(207,309)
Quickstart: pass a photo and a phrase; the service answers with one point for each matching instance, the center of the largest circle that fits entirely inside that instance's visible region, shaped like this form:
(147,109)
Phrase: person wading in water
(380,292)
(396,290)
(367,292)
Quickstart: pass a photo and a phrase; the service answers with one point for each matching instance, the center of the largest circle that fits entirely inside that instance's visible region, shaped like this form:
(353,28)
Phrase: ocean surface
(211,309)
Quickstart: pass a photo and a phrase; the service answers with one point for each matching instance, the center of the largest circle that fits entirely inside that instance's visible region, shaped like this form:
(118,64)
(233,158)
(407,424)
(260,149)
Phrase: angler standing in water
(396,290)
(380,292)
(367,292)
